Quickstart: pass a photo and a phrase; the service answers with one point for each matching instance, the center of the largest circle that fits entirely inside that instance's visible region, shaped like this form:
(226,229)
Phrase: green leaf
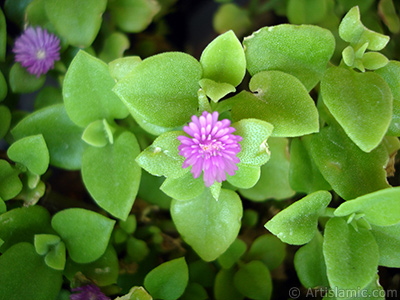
(281,100)
(391,73)
(149,190)
(77,21)
(87,91)
(55,259)
(103,271)
(35,15)
(121,67)
(3,209)
(374,60)
(169,280)
(232,254)
(22,224)
(274,177)
(360,102)
(22,267)
(380,208)
(304,175)
(10,184)
(3,86)
(63,138)
(306,11)
(194,291)
(162,157)
(137,250)
(85,233)
(268,249)
(43,242)
(216,90)
(302,51)
(202,273)
(15,10)
(351,256)
(223,60)
(162,89)
(5,120)
(133,15)
(136,293)
(352,30)
(21,81)
(3,38)
(209,226)
(337,157)
(310,264)
(387,11)
(183,188)
(96,135)
(112,176)
(231,17)
(246,176)
(31,151)
(224,288)
(388,240)
(297,224)
(114,47)
(254,281)
(47,96)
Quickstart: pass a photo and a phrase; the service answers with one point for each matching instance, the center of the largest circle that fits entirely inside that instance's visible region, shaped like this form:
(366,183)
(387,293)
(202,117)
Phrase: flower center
(41,54)
(211,148)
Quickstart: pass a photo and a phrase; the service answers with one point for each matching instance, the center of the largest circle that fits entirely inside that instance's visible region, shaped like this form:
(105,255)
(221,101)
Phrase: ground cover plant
(255,161)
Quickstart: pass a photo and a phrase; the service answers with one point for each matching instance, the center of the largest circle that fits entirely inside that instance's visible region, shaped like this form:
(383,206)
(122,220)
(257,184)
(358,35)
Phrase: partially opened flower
(212,148)
(88,292)
(37,50)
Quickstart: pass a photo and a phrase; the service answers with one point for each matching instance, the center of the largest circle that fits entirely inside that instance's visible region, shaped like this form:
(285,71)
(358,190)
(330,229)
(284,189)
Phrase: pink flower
(212,148)
(37,50)
(88,292)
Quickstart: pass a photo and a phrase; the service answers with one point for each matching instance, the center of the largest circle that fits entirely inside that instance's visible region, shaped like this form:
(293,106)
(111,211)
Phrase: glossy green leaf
(223,60)
(129,225)
(3,87)
(310,264)
(35,14)
(306,11)
(133,15)
(77,21)
(56,257)
(232,254)
(254,281)
(95,134)
(304,175)
(183,188)
(112,176)
(381,208)
(21,81)
(389,16)
(103,271)
(3,38)
(209,226)
(114,47)
(337,157)
(360,102)
(274,177)
(297,224)
(351,256)
(121,67)
(246,176)
(169,280)
(280,99)
(87,91)
(21,224)
(162,89)
(136,293)
(268,249)
(5,120)
(31,151)
(231,17)
(162,157)
(391,74)
(85,233)
(216,90)
(3,209)
(22,267)
(224,288)
(10,184)
(43,242)
(302,51)
(352,30)
(47,96)
(63,138)
(388,240)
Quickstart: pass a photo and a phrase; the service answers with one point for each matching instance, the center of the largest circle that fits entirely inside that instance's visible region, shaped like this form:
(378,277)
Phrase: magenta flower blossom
(37,50)
(212,148)
(88,292)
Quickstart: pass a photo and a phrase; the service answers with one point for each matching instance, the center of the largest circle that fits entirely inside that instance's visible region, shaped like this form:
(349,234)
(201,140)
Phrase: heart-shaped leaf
(3,86)
(280,99)
(232,254)
(360,102)
(302,51)
(5,120)
(209,226)
(388,240)
(21,81)
(85,233)
(10,184)
(121,67)
(297,224)
(183,188)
